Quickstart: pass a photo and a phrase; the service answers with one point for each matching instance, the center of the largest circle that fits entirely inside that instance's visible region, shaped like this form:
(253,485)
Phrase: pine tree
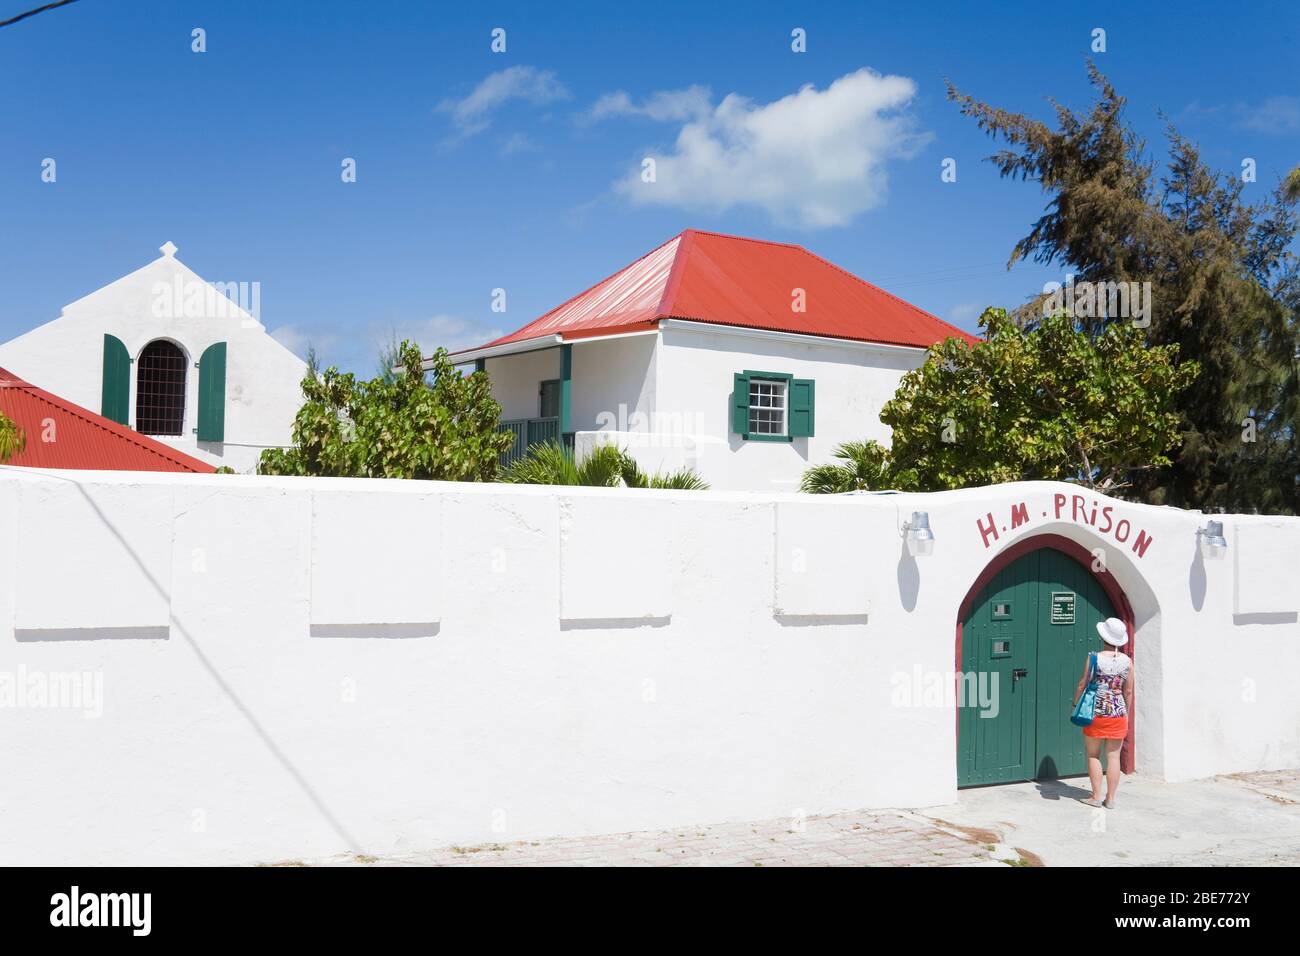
(1223,285)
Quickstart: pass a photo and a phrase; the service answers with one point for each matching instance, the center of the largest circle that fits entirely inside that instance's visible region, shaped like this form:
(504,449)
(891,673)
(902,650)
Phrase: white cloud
(693,102)
(298,339)
(815,158)
(1277,114)
(358,350)
(472,114)
(446,331)
(518,143)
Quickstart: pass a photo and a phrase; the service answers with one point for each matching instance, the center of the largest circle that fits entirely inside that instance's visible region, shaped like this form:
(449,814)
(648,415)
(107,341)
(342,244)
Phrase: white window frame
(780,402)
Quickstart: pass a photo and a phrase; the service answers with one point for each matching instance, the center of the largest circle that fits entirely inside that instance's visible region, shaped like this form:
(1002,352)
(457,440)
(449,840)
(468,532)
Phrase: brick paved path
(887,838)
(1250,818)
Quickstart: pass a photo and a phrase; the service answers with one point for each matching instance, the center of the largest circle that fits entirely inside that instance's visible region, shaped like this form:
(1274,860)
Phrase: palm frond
(12,439)
(865,467)
(545,464)
(605,466)
(683,480)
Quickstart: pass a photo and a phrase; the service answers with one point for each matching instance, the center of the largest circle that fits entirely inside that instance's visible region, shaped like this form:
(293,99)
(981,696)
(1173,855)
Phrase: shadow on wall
(178,627)
(1196,580)
(909,579)
(1267,617)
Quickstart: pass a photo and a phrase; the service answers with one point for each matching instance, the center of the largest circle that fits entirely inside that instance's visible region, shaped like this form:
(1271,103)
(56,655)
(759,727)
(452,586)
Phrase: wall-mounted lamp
(1213,543)
(920,539)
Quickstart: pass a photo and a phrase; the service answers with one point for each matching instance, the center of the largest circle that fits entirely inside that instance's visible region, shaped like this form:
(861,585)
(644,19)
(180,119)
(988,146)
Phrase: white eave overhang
(535,345)
(557,339)
(505,348)
(716,327)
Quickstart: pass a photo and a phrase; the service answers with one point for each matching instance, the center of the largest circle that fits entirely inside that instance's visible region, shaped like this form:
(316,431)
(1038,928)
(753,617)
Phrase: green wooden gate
(1029,632)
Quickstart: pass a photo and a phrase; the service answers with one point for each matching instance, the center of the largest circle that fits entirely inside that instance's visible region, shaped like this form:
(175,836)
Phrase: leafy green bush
(411,424)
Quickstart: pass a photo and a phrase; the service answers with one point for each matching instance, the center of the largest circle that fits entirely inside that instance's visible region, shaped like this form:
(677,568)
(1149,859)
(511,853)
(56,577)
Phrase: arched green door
(1026,639)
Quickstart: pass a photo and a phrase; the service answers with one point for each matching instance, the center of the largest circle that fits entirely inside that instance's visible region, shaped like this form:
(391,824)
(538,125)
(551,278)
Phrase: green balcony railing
(528,432)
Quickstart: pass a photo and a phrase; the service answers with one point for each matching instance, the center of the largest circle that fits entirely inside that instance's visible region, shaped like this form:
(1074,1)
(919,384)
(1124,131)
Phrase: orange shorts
(1107,728)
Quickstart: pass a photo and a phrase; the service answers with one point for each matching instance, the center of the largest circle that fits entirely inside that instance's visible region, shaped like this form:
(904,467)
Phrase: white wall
(516,381)
(66,357)
(853,382)
(614,381)
(297,667)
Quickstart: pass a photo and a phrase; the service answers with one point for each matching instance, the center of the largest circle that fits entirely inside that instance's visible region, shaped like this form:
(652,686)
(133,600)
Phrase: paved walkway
(1237,820)
(1234,820)
(846,839)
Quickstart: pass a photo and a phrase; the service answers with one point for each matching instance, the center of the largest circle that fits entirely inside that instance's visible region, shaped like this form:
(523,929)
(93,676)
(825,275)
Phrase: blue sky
(479,170)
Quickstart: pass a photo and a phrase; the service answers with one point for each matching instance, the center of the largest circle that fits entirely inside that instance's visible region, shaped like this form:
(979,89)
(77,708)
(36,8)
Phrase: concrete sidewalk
(1243,819)
(1236,820)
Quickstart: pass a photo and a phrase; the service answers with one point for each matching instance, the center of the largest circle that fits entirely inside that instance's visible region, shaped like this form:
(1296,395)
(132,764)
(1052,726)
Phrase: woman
(1114,677)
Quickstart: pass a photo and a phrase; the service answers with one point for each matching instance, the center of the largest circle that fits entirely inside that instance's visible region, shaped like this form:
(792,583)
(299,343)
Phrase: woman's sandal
(1109,804)
(1091,802)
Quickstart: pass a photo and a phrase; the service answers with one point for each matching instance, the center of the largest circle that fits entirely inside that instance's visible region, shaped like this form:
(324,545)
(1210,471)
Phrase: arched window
(160,389)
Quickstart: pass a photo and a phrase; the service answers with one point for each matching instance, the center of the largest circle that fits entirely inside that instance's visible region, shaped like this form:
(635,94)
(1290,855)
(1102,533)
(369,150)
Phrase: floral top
(1112,670)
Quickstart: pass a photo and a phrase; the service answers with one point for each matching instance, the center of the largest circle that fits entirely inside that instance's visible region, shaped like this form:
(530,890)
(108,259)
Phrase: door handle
(1019,672)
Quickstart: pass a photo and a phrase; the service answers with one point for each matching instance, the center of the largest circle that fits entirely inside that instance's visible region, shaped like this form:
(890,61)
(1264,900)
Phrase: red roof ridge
(728,235)
(901,301)
(684,248)
(574,298)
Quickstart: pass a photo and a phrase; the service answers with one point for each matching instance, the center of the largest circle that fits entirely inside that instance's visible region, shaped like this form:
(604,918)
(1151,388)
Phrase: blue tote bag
(1087,705)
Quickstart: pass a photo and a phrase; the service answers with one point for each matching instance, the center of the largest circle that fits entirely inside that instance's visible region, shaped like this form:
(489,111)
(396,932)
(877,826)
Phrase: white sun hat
(1113,631)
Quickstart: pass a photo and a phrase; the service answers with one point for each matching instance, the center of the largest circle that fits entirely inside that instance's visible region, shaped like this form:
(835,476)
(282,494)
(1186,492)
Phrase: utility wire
(32,13)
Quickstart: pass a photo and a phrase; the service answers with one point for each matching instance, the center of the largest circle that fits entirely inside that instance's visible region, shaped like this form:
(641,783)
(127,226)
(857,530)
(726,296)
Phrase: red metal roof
(80,438)
(729,280)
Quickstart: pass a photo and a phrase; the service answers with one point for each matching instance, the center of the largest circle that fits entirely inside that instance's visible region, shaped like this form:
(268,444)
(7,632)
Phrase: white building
(172,356)
(745,360)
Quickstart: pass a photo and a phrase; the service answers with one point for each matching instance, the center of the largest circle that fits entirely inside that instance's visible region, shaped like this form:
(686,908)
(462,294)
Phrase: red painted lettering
(1141,544)
(1059,502)
(1019,515)
(1122,530)
(986,532)
(1105,513)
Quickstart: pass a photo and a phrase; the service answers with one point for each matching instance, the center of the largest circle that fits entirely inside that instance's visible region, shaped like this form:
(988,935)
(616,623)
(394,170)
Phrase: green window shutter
(740,403)
(212,393)
(802,407)
(566,391)
(115,397)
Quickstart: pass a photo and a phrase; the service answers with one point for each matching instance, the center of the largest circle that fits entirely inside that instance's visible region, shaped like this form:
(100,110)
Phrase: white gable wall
(66,357)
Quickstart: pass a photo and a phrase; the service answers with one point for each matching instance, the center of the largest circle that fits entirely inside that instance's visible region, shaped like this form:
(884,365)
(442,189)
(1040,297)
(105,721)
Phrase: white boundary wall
(294,667)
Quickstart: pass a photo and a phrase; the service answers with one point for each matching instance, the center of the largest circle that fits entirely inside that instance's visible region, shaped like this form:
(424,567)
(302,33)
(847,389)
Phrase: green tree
(1291,186)
(390,357)
(437,425)
(1051,402)
(606,466)
(1222,283)
(12,439)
